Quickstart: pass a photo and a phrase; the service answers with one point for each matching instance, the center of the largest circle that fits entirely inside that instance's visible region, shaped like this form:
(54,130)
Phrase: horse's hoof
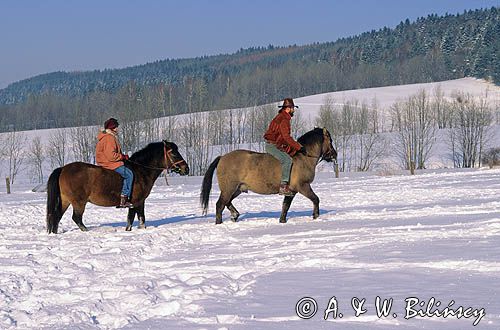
(315,216)
(218,222)
(83,228)
(128,228)
(282,220)
(141,226)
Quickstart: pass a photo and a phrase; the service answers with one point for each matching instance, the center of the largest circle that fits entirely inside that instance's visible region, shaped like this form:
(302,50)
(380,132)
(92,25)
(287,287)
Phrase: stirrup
(125,203)
(285,190)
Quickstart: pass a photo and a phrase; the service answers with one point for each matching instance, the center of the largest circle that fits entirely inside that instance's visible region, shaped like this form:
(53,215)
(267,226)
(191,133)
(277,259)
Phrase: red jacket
(278,133)
(108,153)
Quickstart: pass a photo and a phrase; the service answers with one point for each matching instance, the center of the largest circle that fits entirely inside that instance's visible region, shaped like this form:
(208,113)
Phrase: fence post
(7,182)
(336,167)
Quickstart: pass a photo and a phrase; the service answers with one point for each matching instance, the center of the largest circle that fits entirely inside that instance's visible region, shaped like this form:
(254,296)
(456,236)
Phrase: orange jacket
(278,133)
(108,153)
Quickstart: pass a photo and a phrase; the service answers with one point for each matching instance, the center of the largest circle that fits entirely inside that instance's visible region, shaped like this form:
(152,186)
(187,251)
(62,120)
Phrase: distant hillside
(430,49)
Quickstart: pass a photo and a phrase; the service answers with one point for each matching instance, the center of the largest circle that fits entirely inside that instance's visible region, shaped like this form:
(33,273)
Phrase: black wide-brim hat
(288,103)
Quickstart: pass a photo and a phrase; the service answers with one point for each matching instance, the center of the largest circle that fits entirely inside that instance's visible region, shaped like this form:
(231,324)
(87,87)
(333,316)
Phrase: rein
(146,166)
(308,155)
(320,158)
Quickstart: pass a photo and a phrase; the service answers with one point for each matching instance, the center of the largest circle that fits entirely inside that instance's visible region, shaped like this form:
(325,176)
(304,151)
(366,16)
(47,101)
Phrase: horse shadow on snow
(202,218)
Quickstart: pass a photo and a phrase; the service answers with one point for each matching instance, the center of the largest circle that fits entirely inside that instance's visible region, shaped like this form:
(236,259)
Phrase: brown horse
(78,183)
(243,170)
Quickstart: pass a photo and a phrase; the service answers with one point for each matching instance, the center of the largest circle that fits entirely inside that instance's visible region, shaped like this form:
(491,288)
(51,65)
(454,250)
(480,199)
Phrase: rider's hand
(125,157)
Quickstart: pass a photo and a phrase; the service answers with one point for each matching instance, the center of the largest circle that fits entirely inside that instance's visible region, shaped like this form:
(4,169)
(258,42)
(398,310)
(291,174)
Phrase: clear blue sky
(40,36)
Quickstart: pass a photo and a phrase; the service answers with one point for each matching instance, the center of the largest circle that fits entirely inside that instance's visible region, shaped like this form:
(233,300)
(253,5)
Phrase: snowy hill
(387,96)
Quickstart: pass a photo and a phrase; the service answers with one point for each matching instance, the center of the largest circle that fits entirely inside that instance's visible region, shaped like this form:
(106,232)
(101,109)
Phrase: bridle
(321,155)
(174,166)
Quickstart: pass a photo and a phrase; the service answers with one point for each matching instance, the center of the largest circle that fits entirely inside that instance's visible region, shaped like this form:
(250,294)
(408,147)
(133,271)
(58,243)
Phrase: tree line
(433,48)
(364,135)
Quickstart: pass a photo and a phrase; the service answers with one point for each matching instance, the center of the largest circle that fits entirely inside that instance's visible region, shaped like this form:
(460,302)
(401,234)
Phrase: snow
(435,234)
(385,97)
(382,234)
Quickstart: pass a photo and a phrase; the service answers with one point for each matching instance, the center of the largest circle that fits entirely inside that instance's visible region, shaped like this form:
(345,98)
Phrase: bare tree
(132,110)
(470,131)
(370,144)
(416,136)
(194,138)
(130,135)
(329,118)
(251,123)
(326,117)
(299,123)
(217,123)
(14,145)
(263,116)
(148,130)
(228,128)
(37,158)
(343,134)
(57,148)
(83,141)
(168,129)
(442,109)
(3,149)
(240,123)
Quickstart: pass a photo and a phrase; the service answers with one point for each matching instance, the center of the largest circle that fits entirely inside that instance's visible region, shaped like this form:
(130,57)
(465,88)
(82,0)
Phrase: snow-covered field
(432,235)
(385,97)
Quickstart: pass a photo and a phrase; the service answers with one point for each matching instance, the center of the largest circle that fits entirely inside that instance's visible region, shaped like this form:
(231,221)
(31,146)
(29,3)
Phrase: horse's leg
(58,217)
(219,207)
(141,216)
(78,210)
(224,199)
(234,212)
(130,218)
(286,205)
(307,191)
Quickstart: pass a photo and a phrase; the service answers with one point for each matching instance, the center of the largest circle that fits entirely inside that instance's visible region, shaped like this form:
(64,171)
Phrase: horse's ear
(325,131)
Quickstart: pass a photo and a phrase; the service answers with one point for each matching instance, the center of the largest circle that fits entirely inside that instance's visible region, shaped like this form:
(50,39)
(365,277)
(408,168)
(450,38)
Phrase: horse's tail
(207,184)
(54,204)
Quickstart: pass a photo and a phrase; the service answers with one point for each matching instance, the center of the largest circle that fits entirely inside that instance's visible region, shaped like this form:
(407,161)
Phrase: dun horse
(78,183)
(243,170)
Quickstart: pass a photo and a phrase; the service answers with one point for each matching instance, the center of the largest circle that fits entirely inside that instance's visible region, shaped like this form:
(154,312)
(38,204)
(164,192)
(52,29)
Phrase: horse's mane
(311,137)
(151,151)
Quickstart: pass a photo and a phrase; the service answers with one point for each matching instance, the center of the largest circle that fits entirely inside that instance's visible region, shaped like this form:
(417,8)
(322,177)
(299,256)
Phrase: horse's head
(328,152)
(174,160)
